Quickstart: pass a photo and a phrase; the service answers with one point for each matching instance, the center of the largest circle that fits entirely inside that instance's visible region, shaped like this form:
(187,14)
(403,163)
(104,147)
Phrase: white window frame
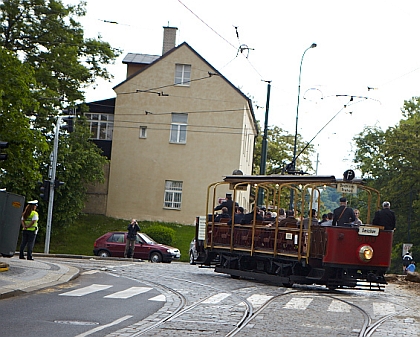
(101,125)
(178,133)
(143,132)
(173,194)
(183,74)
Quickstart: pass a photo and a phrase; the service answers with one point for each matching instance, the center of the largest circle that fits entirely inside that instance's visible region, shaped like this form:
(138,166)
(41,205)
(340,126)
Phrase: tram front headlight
(366,253)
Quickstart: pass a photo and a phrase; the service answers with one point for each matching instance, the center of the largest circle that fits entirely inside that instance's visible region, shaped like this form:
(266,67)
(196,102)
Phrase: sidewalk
(26,276)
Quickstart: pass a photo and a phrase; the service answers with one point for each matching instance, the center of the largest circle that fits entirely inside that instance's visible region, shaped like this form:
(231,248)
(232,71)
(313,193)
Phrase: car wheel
(155,257)
(192,261)
(104,253)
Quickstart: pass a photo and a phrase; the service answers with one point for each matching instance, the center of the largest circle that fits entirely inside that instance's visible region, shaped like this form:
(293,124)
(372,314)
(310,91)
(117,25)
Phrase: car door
(116,244)
(141,251)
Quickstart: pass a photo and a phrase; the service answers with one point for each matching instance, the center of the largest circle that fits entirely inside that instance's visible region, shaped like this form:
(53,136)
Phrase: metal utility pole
(264,145)
(51,176)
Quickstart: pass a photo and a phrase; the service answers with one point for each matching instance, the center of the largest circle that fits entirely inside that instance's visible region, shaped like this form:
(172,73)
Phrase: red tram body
(334,256)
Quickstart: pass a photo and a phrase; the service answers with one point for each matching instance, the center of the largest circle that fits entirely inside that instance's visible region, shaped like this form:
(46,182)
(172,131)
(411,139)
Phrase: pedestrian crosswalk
(122,294)
(256,300)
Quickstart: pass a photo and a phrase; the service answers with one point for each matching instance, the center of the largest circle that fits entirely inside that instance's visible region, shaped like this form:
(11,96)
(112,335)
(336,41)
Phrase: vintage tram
(334,256)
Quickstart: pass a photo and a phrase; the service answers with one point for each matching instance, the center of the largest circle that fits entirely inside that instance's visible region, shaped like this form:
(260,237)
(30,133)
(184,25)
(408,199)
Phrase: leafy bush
(161,234)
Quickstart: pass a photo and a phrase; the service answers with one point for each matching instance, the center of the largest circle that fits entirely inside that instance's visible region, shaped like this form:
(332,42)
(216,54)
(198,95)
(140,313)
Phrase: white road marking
(258,300)
(130,292)
(158,298)
(338,306)
(90,272)
(298,303)
(216,298)
(382,309)
(86,290)
(99,328)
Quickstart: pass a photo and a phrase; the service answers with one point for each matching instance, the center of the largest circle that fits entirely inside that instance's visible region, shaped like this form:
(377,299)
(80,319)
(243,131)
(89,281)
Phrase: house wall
(220,139)
(97,195)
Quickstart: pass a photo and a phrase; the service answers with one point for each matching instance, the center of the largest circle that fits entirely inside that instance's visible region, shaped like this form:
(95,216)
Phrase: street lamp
(293,164)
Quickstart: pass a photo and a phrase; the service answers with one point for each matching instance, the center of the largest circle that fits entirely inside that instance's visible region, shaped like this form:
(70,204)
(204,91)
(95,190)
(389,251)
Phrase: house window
(173,194)
(183,74)
(143,132)
(178,128)
(101,125)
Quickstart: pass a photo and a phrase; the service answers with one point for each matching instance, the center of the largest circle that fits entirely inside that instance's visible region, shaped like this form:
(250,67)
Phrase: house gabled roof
(142,58)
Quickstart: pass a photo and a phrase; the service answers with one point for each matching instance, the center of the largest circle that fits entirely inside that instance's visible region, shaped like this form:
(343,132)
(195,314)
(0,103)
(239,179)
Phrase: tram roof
(276,178)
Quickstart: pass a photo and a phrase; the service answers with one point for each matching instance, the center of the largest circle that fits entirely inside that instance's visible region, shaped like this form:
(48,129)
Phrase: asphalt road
(181,300)
(94,304)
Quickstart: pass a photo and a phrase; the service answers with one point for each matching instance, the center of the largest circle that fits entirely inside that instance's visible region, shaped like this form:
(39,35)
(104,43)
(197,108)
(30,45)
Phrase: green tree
(20,172)
(280,151)
(390,160)
(54,64)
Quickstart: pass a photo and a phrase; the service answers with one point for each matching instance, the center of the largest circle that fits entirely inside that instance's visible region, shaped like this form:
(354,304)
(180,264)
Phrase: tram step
(316,273)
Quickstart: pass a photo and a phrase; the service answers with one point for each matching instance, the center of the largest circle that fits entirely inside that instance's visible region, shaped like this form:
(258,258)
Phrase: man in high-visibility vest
(29,222)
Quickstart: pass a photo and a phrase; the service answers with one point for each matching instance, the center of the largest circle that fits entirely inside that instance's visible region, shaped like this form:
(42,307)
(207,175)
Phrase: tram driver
(343,214)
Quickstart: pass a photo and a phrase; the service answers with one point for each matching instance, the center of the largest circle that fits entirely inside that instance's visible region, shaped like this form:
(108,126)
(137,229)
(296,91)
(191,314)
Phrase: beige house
(178,125)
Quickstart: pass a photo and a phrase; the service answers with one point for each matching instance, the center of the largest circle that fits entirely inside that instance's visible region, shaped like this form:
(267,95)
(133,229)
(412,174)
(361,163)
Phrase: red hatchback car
(113,244)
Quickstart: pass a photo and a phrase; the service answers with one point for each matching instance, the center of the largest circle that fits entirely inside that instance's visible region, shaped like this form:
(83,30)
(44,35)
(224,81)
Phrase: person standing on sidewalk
(29,223)
(132,230)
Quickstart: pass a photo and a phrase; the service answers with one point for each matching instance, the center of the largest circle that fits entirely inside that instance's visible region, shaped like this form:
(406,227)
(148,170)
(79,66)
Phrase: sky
(367,50)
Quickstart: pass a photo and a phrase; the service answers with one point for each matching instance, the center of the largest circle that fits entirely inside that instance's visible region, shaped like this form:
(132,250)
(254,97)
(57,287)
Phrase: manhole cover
(77,322)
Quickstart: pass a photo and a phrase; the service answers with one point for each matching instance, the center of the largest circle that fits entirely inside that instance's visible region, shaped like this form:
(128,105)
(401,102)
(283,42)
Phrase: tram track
(368,328)
(183,308)
(195,310)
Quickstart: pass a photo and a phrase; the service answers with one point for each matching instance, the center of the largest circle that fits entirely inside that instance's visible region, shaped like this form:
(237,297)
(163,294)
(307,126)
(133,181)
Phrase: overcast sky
(360,44)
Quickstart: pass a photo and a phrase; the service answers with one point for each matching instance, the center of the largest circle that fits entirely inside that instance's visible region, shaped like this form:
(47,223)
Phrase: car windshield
(146,238)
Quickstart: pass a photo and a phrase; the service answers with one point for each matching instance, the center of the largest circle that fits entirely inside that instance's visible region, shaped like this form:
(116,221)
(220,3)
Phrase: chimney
(169,36)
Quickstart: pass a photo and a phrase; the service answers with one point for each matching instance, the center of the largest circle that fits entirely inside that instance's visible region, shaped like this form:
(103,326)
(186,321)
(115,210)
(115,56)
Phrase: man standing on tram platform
(227,203)
(343,214)
(385,217)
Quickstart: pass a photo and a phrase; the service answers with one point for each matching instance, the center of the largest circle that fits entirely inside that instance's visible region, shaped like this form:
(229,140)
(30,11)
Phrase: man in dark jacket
(343,214)
(239,215)
(227,203)
(385,217)
(132,230)
(249,217)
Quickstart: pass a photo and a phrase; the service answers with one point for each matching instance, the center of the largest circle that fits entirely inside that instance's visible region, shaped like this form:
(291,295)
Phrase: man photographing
(132,230)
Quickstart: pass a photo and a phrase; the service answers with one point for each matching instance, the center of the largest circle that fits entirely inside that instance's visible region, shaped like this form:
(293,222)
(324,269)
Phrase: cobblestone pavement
(202,302)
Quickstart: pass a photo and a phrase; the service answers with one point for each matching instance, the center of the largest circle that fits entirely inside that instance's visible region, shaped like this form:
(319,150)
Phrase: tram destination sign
(366,230)
(347,188)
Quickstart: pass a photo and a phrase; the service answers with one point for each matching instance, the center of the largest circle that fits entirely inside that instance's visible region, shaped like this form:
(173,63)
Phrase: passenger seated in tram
(224,215)
(357,222)
(329,220)
(324,218)
(314,220)
(249,217)
(238,217)
(289,220)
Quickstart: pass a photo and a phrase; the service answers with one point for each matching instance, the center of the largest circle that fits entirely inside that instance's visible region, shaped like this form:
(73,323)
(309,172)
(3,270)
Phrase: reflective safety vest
(29,220)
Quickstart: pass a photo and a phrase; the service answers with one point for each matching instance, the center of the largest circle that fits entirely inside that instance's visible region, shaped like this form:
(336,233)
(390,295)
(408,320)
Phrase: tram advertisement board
(347,188)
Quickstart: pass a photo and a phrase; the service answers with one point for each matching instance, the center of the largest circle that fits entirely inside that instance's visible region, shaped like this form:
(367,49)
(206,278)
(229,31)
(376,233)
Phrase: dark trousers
(129,248)
(28,239)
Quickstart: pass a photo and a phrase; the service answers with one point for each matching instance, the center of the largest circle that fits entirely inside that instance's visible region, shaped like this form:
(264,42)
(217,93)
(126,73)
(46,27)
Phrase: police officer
(29,223)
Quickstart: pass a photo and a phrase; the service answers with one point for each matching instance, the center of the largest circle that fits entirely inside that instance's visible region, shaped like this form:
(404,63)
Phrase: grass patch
(78,238)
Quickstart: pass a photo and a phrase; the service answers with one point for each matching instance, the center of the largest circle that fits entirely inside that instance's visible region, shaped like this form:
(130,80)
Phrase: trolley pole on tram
(260,200)
(293,163)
